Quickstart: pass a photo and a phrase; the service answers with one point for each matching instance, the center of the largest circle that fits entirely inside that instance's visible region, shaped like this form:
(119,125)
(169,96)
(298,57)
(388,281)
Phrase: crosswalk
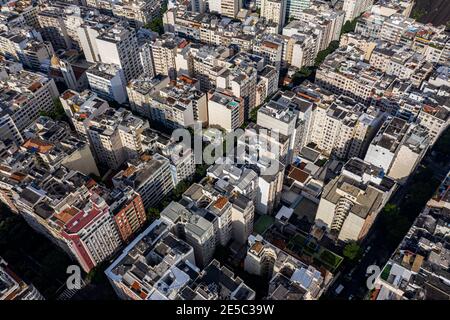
(67,294)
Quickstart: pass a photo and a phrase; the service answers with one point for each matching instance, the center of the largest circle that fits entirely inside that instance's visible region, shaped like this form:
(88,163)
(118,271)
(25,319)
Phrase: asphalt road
(354,278)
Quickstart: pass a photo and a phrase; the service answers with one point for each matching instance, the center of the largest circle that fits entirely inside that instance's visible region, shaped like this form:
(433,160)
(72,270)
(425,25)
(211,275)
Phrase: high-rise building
(53,28)
(354,8)
(229,8)
(13,287)
(24,94)
(350,203)
(294,7)
(225,110)
(115,136)
(274,11)
(285,273)
(90,233)
(8,129)
(150,177)
(118,45)
(398,148)
(172,266)
(127,210)
(196,230)
(344,128)
(138,12)
(107,81)
(164,51)
(88,33)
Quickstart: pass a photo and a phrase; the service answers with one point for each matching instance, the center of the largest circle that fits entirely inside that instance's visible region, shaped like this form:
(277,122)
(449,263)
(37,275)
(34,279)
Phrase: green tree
(97,274)
(303,74)
(153,214)
(200,172)
(395,225)
(179,189)
(324,53)
(57,113)
(349,26)
(417,14)
(157,25)
(352,251)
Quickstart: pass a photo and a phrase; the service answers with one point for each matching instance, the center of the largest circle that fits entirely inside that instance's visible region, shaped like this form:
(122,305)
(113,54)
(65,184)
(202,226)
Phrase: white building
(108,81)
(118,45)
(182,165)
(350,203)
(192,228)
(225,110)
(398,148)
(151,178)
(354,8)
(24,94)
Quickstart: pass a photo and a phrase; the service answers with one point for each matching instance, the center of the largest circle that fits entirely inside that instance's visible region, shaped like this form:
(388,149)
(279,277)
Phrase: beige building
(354,8)
(274,11)
(344,128)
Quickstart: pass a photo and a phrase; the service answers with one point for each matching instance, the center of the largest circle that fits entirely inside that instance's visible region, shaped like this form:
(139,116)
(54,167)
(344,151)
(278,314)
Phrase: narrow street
(354,278)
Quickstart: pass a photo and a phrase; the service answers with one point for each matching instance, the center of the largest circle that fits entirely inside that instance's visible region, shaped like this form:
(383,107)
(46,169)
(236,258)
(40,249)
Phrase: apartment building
(281,120)
(8,129)
(182,164)
(172,273)
(150,177)
(179,104)
(270,48)
(267,84)
(88,32)
(118,45)
(171,268)
(345,128)
(163,52)
(90,232)
(192,228)
(354,8)
(435,118)
(417,268)
(225,110)
(228,8)
(15,288)
(284,272)
(241,81)
(141,90)
(138,12)
(107,80)
(51,144)
(127,210)
(343,73)
(53,28)
(350,202)
(295,7)
(204,63)
(24,94)
(274,11)
(81,107)
(71,212)
(217,282)
(115,136)
(240,186)
(398,148)
(24,10)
